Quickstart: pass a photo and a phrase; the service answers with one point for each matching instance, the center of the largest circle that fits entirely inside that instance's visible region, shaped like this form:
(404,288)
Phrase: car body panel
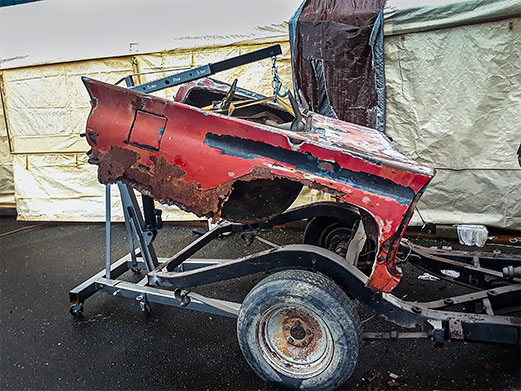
(191,157)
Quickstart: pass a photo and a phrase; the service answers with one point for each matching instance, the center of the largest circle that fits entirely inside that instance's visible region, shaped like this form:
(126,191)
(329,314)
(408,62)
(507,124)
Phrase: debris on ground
(427,277)
(451,273)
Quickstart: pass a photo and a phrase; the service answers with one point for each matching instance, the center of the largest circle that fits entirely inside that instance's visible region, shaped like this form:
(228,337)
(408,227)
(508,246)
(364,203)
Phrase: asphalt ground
(115,347)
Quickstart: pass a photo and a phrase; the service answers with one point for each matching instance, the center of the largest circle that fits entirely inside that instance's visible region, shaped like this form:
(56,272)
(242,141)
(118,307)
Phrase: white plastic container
(472,235)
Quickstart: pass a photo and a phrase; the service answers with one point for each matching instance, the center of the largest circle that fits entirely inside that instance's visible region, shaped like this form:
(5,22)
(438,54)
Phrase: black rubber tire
(322,297)
(76,310)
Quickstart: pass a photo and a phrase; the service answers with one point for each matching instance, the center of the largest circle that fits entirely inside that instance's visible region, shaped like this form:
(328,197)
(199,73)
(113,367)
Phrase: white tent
(453,96)
(453,77)
(47,105)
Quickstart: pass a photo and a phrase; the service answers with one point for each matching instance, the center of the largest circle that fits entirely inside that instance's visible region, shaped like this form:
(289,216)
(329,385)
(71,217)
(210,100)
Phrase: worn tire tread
(321,286)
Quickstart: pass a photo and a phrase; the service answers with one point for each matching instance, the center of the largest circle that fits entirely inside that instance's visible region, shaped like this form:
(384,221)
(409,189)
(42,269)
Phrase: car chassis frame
(169,280)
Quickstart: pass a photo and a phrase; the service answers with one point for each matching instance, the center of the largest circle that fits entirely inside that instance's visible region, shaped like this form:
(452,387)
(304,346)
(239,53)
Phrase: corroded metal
(295,341)
(194,158)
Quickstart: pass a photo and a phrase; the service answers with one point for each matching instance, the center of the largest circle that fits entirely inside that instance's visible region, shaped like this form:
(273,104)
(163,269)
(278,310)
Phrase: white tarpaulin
(453,96)
(454,103)
(6,167)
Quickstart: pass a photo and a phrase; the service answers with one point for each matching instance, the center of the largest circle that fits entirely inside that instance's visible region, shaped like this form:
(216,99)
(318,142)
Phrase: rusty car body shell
(191,157)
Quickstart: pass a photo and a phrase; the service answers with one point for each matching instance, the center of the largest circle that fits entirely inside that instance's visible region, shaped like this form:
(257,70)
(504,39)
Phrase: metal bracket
(208,70)
(437,334)
(133,215)
(455,329)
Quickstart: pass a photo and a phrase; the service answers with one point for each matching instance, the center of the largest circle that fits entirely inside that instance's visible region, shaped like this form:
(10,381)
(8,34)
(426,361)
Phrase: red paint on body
(351,147)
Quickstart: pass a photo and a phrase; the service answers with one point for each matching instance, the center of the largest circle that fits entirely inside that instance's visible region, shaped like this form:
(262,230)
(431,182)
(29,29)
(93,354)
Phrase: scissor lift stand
(108,281)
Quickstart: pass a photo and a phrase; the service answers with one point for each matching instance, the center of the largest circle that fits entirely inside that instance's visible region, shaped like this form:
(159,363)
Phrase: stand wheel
(136,270)
(145,308)
(76,310)
(299,330)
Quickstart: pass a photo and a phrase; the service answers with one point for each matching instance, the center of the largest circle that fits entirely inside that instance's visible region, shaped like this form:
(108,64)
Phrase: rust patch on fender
(326,166)
(163,181)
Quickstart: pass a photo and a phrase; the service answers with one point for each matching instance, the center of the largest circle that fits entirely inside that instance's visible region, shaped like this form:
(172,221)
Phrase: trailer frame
(169,280)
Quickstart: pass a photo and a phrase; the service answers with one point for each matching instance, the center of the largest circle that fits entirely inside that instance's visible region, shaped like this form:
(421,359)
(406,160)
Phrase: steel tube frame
(107,230)
(107,279)
(181,273)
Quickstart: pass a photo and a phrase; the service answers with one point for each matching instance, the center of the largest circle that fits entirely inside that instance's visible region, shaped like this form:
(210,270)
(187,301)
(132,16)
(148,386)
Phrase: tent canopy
(413,16)
(451,68)
(70,30)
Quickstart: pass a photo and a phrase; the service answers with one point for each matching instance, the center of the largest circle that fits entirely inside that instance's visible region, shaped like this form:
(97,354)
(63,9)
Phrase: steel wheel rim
(295,341)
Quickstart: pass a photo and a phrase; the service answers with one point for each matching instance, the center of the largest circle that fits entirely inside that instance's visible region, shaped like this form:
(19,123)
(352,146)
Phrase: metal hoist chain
(276,83)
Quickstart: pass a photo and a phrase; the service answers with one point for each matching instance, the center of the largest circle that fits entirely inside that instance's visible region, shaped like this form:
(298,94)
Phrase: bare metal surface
(474,296)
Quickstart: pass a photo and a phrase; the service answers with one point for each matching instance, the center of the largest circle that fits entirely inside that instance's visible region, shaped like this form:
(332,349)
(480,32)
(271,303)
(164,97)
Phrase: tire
(76,310)
(299,330)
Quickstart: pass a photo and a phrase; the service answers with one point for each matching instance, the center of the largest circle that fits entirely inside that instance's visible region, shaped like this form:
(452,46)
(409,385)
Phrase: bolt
(308,332)
(290,340)
(297,323)
(416,309)
(286,328)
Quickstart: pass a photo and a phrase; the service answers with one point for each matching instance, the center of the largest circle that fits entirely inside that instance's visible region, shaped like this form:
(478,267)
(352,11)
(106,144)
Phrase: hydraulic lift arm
(205,70)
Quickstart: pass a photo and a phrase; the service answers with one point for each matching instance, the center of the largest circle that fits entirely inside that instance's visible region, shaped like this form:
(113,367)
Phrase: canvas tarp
(432,112)
(454,103)
(413,16)
(6,167)
(332,58)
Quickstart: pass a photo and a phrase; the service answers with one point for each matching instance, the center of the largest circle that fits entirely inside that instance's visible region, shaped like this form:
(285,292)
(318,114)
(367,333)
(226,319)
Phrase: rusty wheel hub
(297,332)
(295,341)
(337,240)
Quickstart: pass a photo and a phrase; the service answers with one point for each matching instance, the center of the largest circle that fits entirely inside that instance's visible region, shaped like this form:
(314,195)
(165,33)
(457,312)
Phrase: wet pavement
(115,347)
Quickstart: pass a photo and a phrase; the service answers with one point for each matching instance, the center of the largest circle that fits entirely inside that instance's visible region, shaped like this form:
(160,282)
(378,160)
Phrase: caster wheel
(145,308)
(299,330)
(136,271)
(76,310)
